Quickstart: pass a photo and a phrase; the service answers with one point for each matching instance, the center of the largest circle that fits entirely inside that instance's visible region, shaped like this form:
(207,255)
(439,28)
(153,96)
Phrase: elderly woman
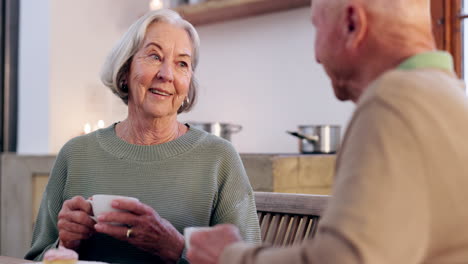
(182,176)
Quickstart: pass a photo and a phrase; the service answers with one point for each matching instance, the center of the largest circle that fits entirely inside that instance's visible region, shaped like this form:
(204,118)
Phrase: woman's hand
(149,231)
(74,222)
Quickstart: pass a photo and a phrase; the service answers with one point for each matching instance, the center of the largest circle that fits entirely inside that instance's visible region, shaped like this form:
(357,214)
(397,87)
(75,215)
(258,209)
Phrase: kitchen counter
(290,173)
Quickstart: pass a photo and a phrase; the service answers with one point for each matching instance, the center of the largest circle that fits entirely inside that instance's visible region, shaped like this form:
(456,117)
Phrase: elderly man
(402,173)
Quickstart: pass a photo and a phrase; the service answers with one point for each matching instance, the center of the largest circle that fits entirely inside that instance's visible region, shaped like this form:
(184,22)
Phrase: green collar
(437,59)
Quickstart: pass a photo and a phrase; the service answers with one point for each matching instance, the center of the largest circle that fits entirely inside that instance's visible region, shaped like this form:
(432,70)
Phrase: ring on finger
(129,232)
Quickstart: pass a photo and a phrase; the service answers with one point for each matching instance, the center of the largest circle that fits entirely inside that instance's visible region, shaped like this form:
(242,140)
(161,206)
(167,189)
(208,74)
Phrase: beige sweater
(401,190)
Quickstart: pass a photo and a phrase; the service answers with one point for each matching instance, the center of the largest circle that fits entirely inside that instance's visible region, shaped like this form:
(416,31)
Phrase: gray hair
(117,63)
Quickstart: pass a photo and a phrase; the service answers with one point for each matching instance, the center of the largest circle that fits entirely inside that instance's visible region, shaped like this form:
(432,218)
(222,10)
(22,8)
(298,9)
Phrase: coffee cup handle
(91,203)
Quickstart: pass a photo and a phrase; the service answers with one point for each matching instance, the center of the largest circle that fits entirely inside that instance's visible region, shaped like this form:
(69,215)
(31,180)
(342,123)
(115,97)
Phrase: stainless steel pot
(318,138)
(224,130)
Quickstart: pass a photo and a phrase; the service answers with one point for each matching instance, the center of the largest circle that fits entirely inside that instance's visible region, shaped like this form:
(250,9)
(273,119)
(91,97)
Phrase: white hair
(117,63)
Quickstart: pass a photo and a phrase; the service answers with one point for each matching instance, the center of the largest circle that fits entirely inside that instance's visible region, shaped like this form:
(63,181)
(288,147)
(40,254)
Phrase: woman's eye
(155,56)
(183,64)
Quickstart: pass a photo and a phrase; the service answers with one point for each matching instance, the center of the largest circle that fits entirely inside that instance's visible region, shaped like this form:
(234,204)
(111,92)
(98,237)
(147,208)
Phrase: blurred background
(257,71)
(257,68)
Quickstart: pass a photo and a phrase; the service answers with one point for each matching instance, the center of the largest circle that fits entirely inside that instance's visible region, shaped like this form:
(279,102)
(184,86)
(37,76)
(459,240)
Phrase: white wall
(82,33)
(33,77)
(261,73)
(258,72)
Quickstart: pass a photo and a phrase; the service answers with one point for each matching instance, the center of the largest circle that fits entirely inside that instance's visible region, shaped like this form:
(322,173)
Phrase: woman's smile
(160,93)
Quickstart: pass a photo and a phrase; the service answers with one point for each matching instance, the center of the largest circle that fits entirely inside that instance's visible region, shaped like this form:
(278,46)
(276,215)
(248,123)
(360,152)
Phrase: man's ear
(356,26)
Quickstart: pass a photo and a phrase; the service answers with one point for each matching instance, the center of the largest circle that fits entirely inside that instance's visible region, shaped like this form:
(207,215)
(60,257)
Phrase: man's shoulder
(414,86)
(422,78)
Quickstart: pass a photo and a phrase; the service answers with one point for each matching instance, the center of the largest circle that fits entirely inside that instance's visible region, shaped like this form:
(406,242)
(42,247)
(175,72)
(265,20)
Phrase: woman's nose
(165,72)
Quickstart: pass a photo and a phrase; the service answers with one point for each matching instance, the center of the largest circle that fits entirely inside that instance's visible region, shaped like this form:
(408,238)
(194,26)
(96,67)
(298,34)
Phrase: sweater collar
(110,142)
(437,59)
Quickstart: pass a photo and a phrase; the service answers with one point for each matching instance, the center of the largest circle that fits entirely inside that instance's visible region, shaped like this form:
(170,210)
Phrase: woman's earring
(185,102)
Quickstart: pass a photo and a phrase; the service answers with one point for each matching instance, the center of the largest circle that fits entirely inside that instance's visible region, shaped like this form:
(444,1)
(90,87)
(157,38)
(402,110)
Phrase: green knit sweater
(195,180)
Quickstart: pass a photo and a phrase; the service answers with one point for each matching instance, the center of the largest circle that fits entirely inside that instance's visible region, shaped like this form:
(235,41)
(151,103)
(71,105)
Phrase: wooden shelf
(213,11)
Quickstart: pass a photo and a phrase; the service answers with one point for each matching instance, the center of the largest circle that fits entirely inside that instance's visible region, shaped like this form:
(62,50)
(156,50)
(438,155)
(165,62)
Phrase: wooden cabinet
(22,181)
(213,11)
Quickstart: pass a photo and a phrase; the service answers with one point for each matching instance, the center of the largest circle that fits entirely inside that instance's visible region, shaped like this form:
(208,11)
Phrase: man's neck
(374,66)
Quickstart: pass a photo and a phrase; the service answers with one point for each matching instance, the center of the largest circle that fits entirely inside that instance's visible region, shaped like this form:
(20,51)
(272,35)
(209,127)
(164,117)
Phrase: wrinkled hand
(206,246)
(74,222)
(150,232)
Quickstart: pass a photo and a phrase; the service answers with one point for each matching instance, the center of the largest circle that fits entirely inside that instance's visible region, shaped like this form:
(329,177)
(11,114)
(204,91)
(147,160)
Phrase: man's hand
(206,246)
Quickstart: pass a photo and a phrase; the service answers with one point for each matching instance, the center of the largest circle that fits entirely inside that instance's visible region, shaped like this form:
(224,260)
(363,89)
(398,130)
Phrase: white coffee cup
(102,203)
(188,231)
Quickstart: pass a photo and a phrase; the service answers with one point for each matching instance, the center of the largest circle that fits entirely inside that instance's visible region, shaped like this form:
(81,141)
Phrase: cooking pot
(224,130)
(324,139)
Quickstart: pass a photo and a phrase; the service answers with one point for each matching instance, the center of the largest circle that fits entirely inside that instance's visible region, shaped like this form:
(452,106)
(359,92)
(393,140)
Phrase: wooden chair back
(287,218)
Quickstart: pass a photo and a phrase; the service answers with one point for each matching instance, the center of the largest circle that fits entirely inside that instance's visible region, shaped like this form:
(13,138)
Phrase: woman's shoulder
(79,143)
(214,143)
